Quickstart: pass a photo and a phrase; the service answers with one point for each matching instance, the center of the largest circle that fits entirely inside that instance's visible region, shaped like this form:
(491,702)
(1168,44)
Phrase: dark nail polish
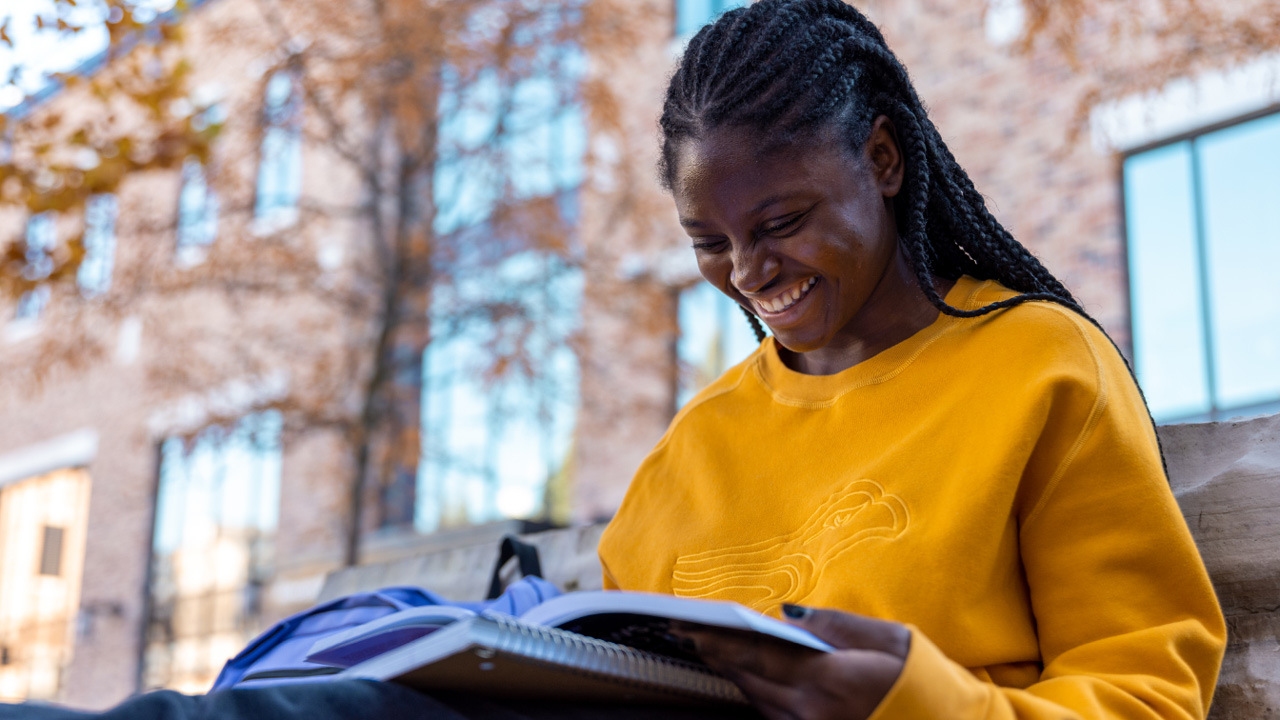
(796,612)
(687,645)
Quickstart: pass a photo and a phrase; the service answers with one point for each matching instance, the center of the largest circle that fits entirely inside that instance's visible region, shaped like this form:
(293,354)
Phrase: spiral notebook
(610,647)
(498,655)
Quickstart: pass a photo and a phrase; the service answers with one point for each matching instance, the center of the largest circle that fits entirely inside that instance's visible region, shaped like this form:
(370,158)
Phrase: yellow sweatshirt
(992,482)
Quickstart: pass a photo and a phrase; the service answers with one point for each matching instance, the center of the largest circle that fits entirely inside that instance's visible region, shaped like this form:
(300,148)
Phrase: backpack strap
(525,553)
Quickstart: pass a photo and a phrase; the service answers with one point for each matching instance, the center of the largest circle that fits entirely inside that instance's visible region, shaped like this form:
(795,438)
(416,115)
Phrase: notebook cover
(500,656)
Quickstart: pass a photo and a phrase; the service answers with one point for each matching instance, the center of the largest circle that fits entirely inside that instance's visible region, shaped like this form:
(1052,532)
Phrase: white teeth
(787,299)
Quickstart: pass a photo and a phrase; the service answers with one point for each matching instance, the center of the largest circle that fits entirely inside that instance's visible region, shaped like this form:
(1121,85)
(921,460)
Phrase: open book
(605,645)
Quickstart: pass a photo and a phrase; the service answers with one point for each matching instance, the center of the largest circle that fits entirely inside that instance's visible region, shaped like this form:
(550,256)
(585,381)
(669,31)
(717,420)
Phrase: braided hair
(791,68)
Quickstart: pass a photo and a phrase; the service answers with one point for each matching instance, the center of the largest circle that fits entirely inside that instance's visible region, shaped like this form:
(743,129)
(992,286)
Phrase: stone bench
(1226,477)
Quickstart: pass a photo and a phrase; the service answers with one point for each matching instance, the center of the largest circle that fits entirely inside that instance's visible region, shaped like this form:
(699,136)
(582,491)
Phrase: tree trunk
(389,436)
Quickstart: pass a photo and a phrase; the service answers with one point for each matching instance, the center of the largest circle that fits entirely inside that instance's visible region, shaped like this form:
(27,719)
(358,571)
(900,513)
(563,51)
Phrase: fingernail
(688,645)
(796,612)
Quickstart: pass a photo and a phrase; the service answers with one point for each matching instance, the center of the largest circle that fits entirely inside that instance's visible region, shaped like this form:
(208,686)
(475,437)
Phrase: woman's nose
(753,268)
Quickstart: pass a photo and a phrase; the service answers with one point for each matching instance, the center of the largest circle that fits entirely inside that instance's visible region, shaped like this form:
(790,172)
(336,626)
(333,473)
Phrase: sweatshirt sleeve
(1127,620)
(608,583)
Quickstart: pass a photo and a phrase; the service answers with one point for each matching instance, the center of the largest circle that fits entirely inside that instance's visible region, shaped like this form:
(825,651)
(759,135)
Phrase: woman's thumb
(844,630)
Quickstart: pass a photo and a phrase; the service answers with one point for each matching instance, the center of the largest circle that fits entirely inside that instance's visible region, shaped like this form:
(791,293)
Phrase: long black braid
(789,68)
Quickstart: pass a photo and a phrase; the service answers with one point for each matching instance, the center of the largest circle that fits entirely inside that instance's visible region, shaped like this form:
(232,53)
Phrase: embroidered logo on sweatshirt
(786,568)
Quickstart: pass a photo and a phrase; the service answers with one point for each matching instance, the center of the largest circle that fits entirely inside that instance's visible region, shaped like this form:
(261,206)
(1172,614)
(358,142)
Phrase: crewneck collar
(795,388)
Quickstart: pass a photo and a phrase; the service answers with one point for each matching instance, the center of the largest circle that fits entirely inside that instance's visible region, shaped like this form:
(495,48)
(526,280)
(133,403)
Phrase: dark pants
(352,700)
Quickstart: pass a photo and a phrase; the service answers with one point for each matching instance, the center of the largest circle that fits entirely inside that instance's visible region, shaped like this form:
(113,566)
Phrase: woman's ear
(884,156)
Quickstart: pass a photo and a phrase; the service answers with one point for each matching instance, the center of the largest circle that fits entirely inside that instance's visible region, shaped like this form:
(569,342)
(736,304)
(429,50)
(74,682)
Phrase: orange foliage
(1134,46)
(370,75)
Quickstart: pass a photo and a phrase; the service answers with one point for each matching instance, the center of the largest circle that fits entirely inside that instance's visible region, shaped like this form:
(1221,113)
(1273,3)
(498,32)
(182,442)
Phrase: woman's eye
(783,225)
(709,244)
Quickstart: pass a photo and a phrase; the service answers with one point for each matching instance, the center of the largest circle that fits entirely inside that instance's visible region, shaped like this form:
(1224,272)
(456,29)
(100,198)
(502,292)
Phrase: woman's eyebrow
(765,203)
(772,199)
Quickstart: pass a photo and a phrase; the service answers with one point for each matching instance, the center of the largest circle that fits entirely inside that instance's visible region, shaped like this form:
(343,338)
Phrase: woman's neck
(890,318)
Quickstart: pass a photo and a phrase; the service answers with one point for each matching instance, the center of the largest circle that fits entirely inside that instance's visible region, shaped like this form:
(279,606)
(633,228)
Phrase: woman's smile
(779,308)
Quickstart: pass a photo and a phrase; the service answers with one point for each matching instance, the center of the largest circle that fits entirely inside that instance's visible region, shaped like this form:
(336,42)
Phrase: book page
(641,620)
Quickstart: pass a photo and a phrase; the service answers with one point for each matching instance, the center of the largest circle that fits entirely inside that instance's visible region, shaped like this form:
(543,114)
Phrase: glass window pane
(498,421)
(1168,334)
(41,238)
(40,241)
(280,162)
(94,274)
(197,213)
(216,515)
(1240,171)
(43,520)
(691,15)
(500,388)
(279,92)
(528,137)
(714,336)
(32,303)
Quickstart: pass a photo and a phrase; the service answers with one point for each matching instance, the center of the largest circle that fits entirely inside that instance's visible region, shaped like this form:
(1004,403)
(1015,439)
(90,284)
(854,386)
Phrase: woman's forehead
(740,161)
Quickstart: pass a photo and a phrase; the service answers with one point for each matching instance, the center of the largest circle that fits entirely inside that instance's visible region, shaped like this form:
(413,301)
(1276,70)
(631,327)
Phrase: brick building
(153,536)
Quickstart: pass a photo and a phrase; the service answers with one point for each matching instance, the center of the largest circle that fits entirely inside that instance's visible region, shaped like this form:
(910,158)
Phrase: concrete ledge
(462,573)
(75,449)
(1226,477)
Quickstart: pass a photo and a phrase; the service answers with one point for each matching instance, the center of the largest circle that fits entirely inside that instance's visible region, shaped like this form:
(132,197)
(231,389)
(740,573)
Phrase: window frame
(548,135)
(269,213)
(100,238)
(38,267)
(190,244)
(1215,412)
(261,431)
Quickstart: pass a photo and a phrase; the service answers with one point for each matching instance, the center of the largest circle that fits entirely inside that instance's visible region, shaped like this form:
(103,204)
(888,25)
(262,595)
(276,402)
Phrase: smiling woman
(803,238)
(937,447)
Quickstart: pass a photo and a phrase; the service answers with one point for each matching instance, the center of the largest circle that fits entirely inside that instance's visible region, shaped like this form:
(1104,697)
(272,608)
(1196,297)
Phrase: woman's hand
(789,682)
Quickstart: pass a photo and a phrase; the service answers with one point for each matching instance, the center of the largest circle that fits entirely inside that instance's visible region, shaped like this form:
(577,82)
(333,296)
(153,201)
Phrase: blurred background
(293,285)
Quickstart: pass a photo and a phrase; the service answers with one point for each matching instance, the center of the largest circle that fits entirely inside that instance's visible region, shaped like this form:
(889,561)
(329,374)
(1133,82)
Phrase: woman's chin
(798,341)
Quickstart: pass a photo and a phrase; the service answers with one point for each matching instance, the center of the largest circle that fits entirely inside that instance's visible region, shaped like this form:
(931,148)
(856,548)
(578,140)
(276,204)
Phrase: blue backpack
(276,656)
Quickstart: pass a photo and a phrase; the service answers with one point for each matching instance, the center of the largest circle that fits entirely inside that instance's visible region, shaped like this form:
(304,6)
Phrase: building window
(714,336)
(40,238)
(533,150)
(212,551)
(500,378)
(1203,240)
(94,274)
(42,541)
(280,161)
(197,214)
(498,426)
(693,14)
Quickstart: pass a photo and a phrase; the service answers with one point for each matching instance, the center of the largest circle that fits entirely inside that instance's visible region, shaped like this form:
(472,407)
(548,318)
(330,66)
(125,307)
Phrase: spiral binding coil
(598,658)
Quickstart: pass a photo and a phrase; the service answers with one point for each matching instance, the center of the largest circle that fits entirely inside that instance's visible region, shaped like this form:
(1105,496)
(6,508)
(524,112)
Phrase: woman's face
(803,235)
